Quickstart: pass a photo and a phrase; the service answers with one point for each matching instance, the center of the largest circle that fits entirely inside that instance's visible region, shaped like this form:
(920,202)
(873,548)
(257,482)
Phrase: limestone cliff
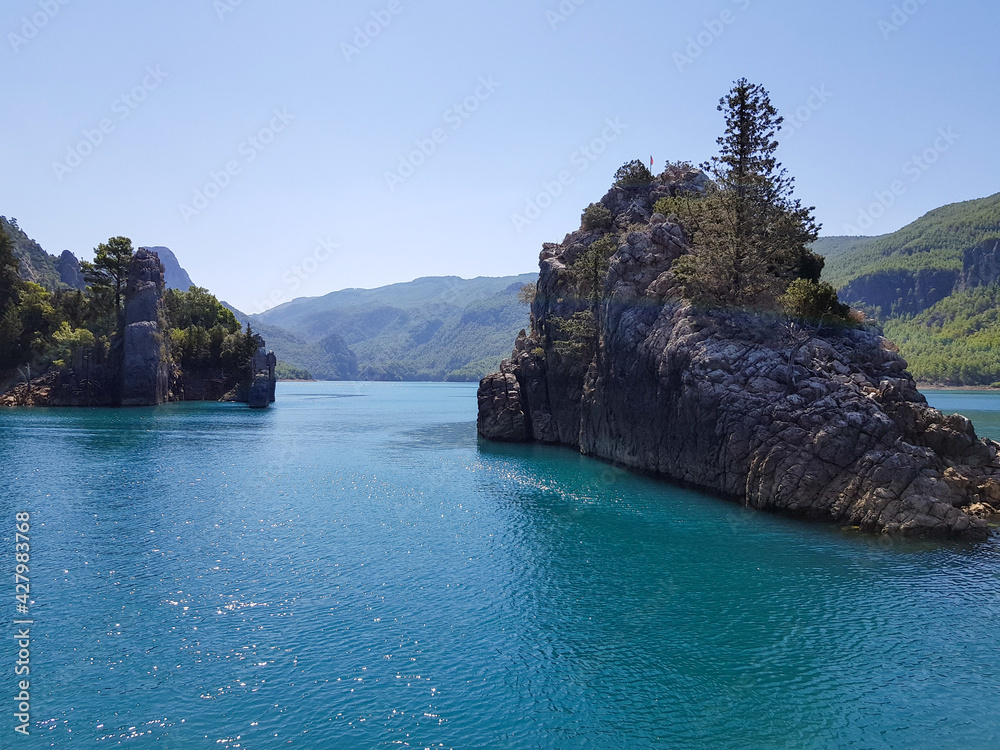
(980,266)
(146,353)
(819,423)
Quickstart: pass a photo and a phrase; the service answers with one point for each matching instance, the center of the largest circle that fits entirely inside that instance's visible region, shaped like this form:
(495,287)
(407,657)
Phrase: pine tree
(752,237)
(108,274)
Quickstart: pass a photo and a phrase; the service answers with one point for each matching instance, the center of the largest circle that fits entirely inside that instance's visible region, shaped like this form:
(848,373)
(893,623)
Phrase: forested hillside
(936,241)
(933,285)
(955,342)
(436,328)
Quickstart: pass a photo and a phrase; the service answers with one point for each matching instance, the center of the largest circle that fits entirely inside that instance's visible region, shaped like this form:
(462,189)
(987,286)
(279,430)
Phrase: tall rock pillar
(146,355)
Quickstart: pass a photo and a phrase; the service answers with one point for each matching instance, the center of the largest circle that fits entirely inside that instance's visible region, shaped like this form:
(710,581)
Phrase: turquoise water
(350,569)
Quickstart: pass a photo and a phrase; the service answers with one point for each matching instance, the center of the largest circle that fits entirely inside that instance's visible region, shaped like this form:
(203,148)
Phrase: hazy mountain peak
(174,276)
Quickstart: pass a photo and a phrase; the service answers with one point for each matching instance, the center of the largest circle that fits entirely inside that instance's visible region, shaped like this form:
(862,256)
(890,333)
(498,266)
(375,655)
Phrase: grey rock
(69,270)
(501,410)
(819,424)
(263,382)
(260,392)
(980,266)
(146,358)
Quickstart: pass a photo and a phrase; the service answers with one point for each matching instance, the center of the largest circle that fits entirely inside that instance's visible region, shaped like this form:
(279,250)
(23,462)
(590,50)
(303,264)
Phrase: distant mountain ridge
(327,359)
(432,328)
(174,276)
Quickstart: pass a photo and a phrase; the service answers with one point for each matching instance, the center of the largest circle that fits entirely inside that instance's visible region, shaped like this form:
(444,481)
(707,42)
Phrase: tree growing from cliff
(588,274)
(751,235)
(107,275)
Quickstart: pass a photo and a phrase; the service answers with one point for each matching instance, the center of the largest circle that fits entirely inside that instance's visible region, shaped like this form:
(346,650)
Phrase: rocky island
(136,365)
(817,421)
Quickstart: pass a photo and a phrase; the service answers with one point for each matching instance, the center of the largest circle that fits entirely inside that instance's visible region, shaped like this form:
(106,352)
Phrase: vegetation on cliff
(42,329)
(955,342)
(935,241)
(684,332)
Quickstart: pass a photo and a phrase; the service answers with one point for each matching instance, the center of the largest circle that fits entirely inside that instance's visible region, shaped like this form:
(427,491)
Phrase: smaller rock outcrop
(174,276)
(69,270)
(502,411)
(263,381)
(146,355)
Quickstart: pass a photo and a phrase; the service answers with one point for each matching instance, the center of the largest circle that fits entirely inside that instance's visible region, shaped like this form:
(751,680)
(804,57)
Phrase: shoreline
(971,388)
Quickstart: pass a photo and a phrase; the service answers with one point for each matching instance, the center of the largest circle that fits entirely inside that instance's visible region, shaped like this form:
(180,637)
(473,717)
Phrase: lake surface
(351,569)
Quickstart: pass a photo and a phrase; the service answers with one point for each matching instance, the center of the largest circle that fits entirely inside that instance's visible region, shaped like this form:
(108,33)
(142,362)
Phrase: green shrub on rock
(597,216)
(633,173)
(813,301)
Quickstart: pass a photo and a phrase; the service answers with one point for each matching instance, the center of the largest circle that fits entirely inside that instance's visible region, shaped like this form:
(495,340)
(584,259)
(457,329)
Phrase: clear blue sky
(184,89)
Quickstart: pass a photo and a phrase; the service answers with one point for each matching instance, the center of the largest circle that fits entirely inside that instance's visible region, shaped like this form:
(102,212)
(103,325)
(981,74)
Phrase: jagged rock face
(502,413)
(260,392)
(901,292)
(980,266)
(826,424)
(146,359)
(174,277)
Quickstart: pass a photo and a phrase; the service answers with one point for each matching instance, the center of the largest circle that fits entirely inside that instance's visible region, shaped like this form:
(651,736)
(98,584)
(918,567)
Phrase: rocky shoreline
(820,423)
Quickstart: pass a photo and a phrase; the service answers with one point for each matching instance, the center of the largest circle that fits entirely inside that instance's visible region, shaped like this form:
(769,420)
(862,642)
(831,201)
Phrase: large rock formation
(146,355)
(825,424)
(69,271)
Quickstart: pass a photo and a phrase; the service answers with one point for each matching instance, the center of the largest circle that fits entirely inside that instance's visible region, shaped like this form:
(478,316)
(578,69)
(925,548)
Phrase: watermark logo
(914,168)
(294,277)
(364,35)
(252,147)
(224,7)
(30,26)
(901,15)
(454,117)
(818,98)
(123,107)
(563,12)
(582,158)
(714,28)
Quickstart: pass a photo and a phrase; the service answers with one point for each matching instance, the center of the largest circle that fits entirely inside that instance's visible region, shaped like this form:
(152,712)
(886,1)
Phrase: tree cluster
(749,237)
(40,329)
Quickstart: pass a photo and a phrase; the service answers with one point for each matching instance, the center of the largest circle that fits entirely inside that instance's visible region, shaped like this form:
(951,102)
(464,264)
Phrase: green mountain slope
(834,247)
(34,264)
(326,359)
(933,284)
(955,342)
(435,328)
(932,247)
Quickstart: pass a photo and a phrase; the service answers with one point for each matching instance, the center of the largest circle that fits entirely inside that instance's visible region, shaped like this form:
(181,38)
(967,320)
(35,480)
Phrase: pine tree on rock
(108,275)
(751,236)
